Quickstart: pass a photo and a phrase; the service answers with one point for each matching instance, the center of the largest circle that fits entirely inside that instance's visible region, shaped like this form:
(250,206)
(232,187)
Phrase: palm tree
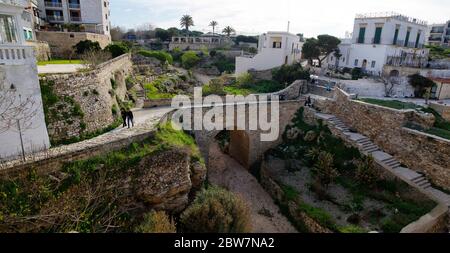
(228,30)
(213,24)
(186,21)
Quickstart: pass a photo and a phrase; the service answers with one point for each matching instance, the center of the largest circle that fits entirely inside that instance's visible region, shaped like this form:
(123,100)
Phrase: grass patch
(319,215)
(290,193)
(43,63)
(394,104)
(153,93)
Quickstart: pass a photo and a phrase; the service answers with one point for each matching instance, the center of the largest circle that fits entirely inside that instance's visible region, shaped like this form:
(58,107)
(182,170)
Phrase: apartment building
(381,39)
(22,123)
(93,15)
(274,50)
(439,35)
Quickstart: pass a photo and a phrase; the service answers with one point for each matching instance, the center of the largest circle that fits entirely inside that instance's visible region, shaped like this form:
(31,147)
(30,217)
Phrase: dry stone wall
(421,152)
(96,93)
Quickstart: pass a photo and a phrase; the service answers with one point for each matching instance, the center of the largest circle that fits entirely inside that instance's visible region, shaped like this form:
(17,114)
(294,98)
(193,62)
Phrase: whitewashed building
(383,39)
(274,50)
(22,121)
(94,15)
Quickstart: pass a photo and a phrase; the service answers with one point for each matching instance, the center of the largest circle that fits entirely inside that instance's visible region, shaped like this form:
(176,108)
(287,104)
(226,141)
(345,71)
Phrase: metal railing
(74,5)
(75,19)
(53,4)
(16,55)
(55,18)
(392,15)
(408,60)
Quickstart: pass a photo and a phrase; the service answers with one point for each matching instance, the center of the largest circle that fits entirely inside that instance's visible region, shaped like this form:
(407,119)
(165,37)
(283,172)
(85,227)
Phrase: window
(373,64)
(276,44)
(356,63)
(408,33)
(418,39)
(377,39)
(106,16)
(28,34)
(396,35)
(104,4)
(7,29)
(362,34)
(343,59)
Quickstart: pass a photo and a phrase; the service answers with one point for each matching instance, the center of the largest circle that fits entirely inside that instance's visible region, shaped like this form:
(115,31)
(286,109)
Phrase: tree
(311,50)
(324,169)
(320,48)
(228,31)
(287,74)
(366,173)
(117,49)
(163,35)
(189,59)
(186,21)
(420,84)
(337,54)
(117,33)
(213,24)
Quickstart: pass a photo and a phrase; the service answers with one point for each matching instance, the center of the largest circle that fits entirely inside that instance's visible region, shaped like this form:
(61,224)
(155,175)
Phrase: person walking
(130,118)
(123,113)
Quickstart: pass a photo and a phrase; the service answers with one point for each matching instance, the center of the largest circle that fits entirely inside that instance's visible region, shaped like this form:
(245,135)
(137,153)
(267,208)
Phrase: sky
(253,17)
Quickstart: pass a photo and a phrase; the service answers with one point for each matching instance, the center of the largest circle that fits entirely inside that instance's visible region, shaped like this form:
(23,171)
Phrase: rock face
(421,152)
(164,181)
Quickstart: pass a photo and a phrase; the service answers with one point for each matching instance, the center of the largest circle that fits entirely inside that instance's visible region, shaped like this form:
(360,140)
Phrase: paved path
(387,161)
(145,121)
(59,68)
(224,171)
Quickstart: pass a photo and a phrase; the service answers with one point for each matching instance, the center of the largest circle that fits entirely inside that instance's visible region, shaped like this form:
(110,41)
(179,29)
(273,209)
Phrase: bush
(245,80)
(421,84)
(324,168)
(160,55)
(189,59)
(216,86)
(366,173)
(287,74)
(156,222)
(117,49)
(216,210)
(356,73)
(86,46)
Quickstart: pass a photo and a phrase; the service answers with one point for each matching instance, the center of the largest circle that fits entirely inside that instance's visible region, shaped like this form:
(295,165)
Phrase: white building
(274,50)
(22,121)
(439,35)
(380,39)
(208,41)
(93,15)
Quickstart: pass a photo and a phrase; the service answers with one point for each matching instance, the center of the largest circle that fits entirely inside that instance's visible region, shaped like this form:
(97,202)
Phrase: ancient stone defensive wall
(421,152)
(61,43)
(95,92)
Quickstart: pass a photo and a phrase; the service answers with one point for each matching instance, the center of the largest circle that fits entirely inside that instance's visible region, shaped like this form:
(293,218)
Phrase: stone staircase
(367,147)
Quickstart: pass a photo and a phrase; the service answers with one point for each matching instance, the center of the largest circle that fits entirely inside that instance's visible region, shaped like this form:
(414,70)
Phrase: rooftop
(392,15)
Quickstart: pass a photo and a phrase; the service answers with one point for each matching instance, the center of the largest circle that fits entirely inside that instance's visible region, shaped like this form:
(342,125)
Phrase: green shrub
(244,80)
(290,193)
(156,222)
(189,59)
(117,49)
(85,46)
(324,168)
(357,73)
(160,55)
(352,229)
(287,74)
(216,210)
(319,215)
(366,173)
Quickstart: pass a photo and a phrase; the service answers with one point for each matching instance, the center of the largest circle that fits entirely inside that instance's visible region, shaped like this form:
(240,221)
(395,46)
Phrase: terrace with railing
(53,4)
(393,15)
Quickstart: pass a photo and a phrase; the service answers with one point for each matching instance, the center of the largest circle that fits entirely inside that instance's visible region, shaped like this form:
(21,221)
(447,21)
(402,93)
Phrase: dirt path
(226,172)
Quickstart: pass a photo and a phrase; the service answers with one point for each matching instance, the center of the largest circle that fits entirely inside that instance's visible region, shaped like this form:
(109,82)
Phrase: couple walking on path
(127,116)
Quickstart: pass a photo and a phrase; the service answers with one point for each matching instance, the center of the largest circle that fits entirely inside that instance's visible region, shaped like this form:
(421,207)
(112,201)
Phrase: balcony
(75,19)
(53,4)
(74,6)
(16,55)
(55,18)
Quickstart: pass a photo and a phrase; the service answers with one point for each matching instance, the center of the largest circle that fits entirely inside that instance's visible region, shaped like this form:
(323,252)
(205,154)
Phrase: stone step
(370,151)
(424,183)
(388,160)
(365,141)
(392,163)
(364,147)
(420,180)
(427,186)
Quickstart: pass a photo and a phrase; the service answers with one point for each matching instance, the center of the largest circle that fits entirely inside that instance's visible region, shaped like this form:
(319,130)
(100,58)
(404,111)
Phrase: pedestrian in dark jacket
(123,113)
(130,118)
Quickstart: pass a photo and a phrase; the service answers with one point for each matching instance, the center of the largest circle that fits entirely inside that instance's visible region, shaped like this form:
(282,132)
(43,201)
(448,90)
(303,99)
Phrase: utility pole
(289,24)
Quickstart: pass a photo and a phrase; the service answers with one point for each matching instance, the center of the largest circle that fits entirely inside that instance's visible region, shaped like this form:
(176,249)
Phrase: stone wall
(421,152)
(41,50)
(94,93)
(61,43)
(149,103)
(434,222)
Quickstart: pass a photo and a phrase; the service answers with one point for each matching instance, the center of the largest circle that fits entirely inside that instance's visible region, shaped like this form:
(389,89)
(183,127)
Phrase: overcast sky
(311,17)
